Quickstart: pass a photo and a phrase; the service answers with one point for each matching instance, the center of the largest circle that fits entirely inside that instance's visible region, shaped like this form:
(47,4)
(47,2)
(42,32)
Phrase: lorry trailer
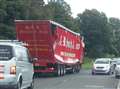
(57,48)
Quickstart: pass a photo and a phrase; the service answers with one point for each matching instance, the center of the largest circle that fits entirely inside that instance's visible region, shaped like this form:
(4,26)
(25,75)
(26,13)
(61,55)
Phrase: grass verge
(87,63)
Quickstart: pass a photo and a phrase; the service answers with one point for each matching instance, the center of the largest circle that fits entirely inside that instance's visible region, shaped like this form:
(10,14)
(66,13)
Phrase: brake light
(13,69)
(1,76)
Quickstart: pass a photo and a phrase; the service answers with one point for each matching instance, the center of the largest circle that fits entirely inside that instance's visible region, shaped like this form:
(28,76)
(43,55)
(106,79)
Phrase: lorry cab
(16,69)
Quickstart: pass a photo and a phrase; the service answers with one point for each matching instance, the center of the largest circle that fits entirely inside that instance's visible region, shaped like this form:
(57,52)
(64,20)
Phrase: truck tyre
(73,69)
(79,67)
(58,70)
(64,70)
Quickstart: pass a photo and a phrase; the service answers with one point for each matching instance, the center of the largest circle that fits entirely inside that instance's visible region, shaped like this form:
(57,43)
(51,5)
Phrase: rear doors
(24,67)
(6,61)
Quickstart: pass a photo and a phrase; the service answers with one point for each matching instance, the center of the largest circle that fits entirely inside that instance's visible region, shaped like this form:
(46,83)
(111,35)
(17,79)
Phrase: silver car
(117,69)
(16,69)
(102,66)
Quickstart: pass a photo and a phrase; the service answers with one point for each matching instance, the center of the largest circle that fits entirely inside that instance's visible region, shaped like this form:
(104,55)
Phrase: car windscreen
(5,53)
(102,62)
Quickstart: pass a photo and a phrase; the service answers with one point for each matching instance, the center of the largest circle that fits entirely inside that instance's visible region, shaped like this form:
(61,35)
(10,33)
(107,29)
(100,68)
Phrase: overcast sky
(110,7)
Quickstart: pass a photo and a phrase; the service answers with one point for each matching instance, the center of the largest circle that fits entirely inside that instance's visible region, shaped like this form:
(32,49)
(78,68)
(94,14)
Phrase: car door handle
(21,65)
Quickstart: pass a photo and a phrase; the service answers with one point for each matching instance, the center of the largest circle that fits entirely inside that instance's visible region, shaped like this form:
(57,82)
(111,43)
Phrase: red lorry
(57,48)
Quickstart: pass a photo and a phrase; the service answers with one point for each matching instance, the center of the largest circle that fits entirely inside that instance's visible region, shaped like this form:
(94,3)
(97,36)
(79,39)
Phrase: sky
(110,7)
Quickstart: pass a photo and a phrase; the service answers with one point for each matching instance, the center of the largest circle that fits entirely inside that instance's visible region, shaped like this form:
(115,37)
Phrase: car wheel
(31,85)
(18,85)
(113,72)
(93,73)
(110,72)
(116,76)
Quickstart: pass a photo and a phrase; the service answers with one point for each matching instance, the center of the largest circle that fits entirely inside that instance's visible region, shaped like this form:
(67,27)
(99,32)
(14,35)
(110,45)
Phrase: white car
(16,69)
(102,66)
(114,61)
(117,69)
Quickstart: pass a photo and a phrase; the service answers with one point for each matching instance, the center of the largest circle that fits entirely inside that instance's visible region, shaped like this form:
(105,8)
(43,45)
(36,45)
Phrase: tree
(6,22)
(29,9)
(60,11)
(115,26)
(17,9)
(95,29)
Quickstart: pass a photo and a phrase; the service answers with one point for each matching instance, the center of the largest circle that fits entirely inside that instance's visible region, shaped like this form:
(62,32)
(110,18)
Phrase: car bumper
(8,86)
(100,71)
(9,82)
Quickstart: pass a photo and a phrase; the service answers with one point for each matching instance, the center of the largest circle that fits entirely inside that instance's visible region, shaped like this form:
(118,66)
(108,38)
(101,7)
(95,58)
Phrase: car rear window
(102,62)
(5,53)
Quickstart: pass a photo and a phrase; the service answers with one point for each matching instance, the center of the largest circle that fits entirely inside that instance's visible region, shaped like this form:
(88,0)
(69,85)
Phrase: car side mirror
(33,60)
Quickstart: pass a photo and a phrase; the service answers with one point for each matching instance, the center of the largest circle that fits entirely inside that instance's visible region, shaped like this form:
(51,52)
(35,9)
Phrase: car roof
(116,58)
(103,59)
(11,44)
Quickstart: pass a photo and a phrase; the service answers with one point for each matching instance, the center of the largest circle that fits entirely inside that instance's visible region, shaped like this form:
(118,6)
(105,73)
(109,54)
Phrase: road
(82,80)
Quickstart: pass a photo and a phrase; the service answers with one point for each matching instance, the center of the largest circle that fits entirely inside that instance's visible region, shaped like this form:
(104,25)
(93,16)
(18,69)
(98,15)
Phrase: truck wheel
(73,69)
(58,73)
(64,70)
(77,68)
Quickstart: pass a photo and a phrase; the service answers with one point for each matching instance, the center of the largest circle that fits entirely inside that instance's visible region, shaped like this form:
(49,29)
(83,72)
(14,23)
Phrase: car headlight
(107,67)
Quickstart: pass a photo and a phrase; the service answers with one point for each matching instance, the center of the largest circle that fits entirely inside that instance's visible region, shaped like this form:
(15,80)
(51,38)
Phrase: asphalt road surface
(82,80)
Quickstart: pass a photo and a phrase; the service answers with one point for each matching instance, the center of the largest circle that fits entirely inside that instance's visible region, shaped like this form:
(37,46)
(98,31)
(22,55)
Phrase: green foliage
(5,32)
(115,26)
(88,63)
(17,9)
(57,10)
(95,29)
(29,9)
(60,12)
(102,35)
